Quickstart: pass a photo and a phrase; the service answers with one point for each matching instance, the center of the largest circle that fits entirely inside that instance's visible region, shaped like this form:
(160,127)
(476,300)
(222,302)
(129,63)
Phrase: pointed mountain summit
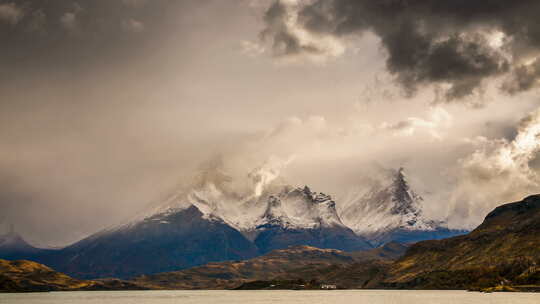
(404,199)
(392,211)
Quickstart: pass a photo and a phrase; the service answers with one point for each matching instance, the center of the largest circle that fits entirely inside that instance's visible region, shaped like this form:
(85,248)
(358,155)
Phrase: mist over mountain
(220,218)
(102,113)
(145,137)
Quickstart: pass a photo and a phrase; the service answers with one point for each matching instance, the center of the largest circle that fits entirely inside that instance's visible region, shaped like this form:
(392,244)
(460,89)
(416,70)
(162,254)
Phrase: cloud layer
(109,105)
(454,45)
(498,171)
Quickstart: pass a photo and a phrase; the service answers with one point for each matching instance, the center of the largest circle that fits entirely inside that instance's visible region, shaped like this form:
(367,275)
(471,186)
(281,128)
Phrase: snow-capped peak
(387,206)
(300,208)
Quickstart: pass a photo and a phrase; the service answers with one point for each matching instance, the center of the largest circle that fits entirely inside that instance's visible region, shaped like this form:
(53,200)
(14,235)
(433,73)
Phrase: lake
(263,297)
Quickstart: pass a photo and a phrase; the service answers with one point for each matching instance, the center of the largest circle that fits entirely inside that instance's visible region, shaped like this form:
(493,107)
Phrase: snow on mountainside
(302,217)
(217,218)
(389,211)
(267,212)
(301,208)
(266,201)
(210,222)
(392,211)
(292,208)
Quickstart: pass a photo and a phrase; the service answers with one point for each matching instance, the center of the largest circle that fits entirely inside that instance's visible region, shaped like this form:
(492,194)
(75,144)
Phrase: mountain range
(499,255)
(502,254)
(211,223)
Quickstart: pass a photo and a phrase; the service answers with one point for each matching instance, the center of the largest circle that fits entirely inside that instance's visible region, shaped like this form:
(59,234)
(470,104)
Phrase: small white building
(328,286)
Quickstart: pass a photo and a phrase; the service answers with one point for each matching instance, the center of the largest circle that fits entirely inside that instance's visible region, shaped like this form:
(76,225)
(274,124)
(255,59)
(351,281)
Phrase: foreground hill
(24,276)
(351,270)
(348,269)
(503,250)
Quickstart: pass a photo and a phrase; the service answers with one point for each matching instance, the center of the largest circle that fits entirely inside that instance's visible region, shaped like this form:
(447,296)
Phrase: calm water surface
(263,297)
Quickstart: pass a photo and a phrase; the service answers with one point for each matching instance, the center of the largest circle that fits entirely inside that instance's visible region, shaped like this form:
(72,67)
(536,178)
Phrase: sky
(108,106)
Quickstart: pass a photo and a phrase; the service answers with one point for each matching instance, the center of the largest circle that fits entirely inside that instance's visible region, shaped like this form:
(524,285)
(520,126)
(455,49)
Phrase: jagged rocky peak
(405,200)
(300,208)
(314,197)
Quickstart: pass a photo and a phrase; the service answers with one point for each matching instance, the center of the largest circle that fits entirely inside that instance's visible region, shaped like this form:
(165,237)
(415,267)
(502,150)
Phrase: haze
(109,106)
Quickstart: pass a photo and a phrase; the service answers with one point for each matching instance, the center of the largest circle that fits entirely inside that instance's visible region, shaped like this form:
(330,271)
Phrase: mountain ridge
(210,222)
(290,263)
(29,276)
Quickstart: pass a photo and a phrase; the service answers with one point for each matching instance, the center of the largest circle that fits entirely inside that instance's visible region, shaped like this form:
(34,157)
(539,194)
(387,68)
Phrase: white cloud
(251,48)
(265,174)
(498,171)
(437,121)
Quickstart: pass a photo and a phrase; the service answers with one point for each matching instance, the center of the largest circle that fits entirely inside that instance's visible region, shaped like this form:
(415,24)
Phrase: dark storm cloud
(427,41)
(284,41)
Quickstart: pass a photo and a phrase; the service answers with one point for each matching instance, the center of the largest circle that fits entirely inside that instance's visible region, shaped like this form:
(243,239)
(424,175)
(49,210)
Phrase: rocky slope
(300,262)
(504,249)
(392,211)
